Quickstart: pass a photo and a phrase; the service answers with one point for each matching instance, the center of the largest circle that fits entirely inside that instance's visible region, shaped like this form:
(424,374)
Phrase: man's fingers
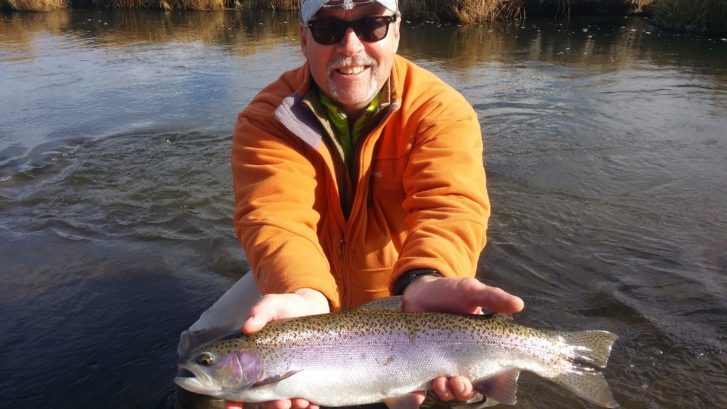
(233,405)
(277,404)
(300,404)
(456,387)
(289,404)
(496,299)
(461,388)
(460,295)
(266,310)
(441,388)
(272,307)
(254,322)
(410,400)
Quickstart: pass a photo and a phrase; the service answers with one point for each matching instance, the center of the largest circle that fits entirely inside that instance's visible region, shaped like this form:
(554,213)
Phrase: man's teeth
(351,70)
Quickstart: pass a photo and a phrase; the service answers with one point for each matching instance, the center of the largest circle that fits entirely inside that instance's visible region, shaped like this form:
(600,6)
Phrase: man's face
(352,71)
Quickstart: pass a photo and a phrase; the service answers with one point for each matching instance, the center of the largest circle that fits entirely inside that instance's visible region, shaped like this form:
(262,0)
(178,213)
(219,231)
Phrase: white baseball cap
(308,8)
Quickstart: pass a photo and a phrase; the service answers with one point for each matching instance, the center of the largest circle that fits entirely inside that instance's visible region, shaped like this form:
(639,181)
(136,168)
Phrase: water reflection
(599,43)
(596,41)
(605,149)
(243,32)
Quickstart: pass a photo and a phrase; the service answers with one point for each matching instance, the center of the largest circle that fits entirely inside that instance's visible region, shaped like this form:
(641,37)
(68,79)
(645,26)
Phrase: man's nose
(350,43)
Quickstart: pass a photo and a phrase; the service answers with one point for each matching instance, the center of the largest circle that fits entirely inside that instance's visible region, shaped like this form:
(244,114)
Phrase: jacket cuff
(407,278)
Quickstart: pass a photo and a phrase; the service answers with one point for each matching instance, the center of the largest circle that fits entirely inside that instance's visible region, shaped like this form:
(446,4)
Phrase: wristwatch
(407,278)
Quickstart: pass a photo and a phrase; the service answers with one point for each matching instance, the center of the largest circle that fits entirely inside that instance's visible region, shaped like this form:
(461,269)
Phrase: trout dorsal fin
(393,303)
(503,316)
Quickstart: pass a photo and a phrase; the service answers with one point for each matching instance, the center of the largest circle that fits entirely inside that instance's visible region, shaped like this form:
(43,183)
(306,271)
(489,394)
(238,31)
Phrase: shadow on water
(102,315)
(111,247)
(605,150)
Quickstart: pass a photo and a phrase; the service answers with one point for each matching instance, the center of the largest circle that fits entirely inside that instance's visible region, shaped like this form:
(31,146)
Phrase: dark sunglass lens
(372,29)
(327,31)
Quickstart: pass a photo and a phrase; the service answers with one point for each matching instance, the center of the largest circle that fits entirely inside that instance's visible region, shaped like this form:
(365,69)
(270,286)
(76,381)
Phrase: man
(357,176)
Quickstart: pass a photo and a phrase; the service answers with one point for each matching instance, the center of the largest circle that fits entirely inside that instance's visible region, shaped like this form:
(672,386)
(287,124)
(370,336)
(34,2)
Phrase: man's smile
(352,70)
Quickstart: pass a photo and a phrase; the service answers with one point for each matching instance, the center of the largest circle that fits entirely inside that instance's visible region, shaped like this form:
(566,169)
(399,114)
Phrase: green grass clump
(703,16)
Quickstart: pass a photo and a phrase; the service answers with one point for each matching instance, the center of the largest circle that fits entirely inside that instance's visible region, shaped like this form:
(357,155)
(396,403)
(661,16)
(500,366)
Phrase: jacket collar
(306,124)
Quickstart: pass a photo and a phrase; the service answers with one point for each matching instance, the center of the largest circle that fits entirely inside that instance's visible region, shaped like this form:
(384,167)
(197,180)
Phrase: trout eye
(206,359)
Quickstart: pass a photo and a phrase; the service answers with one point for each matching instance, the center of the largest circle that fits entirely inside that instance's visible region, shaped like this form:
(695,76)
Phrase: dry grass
(46,5)
(165,4)
(461,11)
(37,5)
(436,10)
(270,4)
(690,15)
(639,6)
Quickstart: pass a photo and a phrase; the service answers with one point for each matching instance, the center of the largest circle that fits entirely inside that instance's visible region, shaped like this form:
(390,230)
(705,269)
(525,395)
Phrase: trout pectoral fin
(276,378)
(501,386)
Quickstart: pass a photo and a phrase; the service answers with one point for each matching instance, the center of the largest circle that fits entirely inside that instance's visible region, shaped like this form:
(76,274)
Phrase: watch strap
(407,278)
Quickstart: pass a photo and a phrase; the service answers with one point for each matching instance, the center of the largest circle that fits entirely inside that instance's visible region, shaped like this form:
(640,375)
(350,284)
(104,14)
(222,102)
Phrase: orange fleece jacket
(420,199)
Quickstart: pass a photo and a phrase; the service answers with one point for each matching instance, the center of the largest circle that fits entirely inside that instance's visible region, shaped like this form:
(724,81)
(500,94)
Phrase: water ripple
(140,186)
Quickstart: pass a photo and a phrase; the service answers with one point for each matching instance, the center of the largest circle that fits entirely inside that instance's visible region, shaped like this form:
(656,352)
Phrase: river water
(606,150)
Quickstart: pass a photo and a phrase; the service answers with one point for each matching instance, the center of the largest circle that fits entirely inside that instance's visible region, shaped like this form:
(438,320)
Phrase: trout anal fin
(501,387)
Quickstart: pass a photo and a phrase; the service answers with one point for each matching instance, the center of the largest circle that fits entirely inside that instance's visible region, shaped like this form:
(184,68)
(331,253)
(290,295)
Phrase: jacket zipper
(356,166)
(341,248)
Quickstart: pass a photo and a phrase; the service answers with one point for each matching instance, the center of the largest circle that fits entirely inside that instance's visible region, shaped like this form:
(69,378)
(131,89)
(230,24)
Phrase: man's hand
(460,295)
(274,307)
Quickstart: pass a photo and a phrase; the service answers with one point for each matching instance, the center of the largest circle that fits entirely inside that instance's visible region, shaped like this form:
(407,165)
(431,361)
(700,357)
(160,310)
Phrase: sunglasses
(329,31)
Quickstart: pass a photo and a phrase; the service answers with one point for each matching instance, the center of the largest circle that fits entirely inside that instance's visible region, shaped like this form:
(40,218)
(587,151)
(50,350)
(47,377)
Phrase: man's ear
(397,34)
(303,40)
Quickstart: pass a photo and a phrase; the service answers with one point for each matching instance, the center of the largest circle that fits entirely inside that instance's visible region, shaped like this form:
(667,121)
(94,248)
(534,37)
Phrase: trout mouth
(198,381)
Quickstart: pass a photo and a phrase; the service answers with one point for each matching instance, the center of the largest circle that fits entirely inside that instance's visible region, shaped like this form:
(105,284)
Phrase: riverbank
(702,16)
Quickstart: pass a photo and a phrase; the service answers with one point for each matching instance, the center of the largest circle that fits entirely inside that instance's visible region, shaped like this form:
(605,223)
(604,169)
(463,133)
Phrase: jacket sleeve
(447,206)
(275,220)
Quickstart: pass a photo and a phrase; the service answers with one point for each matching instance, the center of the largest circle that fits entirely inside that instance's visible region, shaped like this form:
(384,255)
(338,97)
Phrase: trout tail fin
(584,377)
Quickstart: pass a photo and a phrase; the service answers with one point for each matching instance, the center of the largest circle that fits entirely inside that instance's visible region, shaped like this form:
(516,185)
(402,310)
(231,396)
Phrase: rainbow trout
(376,354)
